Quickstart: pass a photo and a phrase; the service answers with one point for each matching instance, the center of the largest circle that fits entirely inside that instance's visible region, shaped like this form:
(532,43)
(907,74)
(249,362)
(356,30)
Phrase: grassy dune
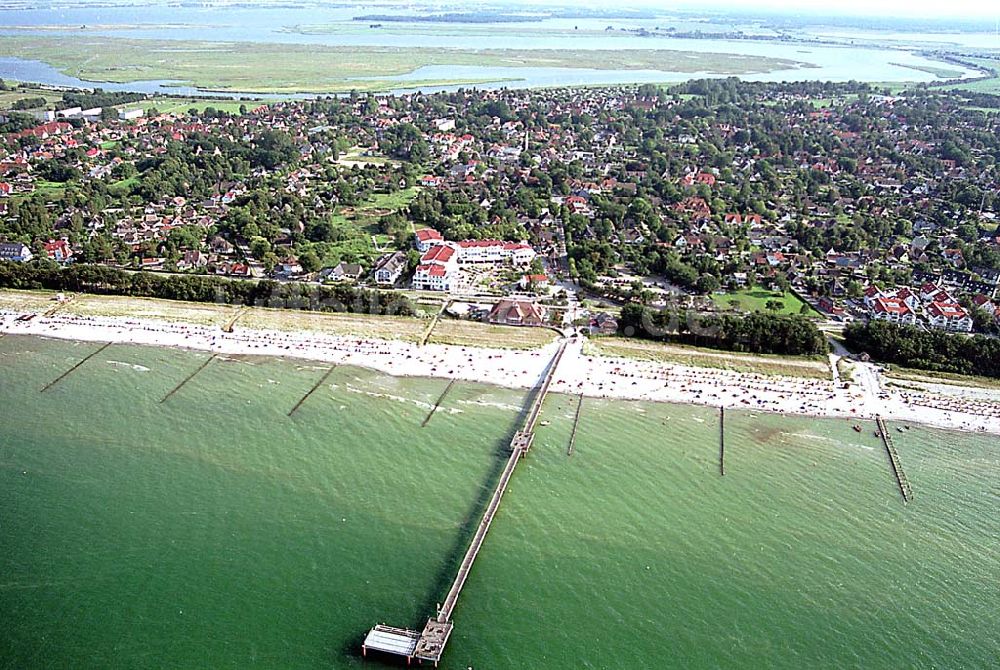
(284,68)
(708,358)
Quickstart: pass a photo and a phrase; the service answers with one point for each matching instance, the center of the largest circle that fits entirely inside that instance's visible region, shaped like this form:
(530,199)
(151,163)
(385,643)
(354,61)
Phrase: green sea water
(212,530)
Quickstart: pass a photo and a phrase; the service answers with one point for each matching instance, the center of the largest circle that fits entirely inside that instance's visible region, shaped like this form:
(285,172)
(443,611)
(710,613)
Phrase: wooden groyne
(187,379)
(576,424)
(440,400)
(315,387)
(897,468)
(429,644)
(722,441)
(430,328)
(228,328)
(72,369)
(58,307)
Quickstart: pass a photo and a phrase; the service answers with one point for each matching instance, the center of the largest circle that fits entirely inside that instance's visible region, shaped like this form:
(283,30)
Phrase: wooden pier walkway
(429,644)
(188,378)
(576,424)
(897,468)
(315,387)
(440,399)
(72,369)
(722,441)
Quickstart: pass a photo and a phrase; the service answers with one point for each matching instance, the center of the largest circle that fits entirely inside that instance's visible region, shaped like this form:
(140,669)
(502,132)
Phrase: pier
(576,423)
(72,369)
(722,441)
(437,404)
(897,467)
(315,387)
(188,378)
(428,644)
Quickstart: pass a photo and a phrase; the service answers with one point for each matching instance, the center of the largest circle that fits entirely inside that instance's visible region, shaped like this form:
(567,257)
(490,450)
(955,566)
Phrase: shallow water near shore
(214,530)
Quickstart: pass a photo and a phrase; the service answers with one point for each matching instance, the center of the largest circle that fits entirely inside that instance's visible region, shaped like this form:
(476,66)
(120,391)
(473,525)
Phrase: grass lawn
(26,301)
(53,188)
(408,329)
(756,299)
(360,223)
(124,184)
(474,334)
(930,377)
(168,105)
(813,368)
(8,98)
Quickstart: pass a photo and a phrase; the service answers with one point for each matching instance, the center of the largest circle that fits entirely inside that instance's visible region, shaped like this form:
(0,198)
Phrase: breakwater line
(75,367)
(897,467)
(314,388)
(187,379)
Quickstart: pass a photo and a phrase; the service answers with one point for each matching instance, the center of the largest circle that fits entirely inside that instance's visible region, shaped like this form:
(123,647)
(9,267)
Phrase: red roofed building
(949,316)
(495,252)
(426,238)
(58,250)
(433,277)
(893,310)
(517,313)
(440,254)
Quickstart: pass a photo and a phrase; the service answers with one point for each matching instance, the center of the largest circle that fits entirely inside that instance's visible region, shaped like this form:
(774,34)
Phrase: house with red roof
(59,251)
(517,313)
(949,316)
(426,238)
(893,310)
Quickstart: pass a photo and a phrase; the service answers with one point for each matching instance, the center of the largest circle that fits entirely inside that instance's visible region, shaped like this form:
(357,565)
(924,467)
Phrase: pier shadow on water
(351,649)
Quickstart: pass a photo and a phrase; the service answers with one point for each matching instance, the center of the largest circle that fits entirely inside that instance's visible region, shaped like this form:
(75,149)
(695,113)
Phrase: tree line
(934,350)
(199,288)
(754,333)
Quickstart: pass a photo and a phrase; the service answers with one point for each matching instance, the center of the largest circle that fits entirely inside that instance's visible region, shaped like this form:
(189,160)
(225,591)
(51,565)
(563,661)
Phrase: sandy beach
(862,397)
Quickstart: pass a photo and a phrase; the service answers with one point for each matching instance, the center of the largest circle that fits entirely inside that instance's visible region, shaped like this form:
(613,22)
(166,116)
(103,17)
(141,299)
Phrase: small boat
(899,429)
(544,423)
(857,428)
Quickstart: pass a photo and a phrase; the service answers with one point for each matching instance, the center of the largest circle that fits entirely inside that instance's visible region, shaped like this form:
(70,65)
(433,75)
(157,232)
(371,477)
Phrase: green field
(359,224)
(8,98)
(756,299)
(284,68)
(168,105)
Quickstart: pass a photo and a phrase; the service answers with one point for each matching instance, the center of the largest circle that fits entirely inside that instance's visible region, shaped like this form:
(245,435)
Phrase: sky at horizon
(955,10)
(903,9)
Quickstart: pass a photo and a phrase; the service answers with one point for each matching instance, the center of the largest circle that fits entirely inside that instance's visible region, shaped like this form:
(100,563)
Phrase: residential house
(949,316)
(15,251)
(893,310)
(390,268)
(517,313)
(426,238)
(59,251)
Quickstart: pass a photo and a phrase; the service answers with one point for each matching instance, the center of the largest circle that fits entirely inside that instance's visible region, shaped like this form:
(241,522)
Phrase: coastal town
(837,202)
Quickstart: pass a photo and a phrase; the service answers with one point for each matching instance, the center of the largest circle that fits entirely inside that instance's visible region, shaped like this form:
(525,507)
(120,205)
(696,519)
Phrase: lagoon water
(333,26)
(213,530)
